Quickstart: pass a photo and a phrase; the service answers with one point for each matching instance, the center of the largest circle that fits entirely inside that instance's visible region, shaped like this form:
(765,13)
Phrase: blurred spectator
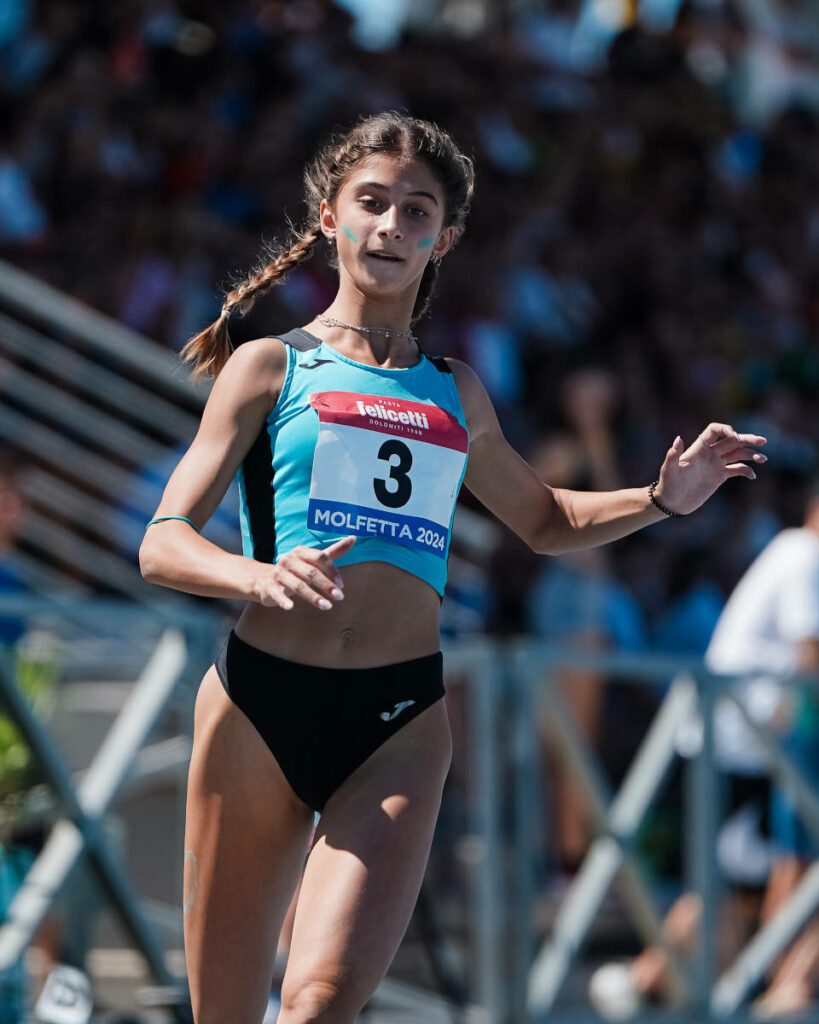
(769,630)
(575,599)
(22,217)
(691,608)
(648,209)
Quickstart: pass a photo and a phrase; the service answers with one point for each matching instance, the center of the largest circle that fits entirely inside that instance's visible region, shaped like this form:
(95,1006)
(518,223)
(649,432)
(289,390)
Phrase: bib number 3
(399,471)
(386,468)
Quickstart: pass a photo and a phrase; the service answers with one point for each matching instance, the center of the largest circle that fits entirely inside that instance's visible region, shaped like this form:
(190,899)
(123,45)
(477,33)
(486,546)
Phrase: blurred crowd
(641,258)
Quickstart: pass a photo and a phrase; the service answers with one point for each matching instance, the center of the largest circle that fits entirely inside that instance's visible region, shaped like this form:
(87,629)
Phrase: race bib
(385,467)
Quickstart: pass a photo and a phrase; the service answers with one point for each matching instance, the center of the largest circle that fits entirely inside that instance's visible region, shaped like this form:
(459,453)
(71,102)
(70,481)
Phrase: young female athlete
(350,448)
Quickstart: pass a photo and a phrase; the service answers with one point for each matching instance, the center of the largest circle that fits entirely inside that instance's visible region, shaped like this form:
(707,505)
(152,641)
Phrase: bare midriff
(387,615)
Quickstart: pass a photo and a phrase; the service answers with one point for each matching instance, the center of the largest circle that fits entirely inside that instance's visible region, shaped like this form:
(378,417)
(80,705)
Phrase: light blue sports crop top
(356,449)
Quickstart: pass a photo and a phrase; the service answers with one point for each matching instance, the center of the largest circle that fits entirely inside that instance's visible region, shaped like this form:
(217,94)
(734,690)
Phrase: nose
(388,226)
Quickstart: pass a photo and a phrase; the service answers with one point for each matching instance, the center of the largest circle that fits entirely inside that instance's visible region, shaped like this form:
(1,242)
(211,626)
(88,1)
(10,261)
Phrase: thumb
(673,453)
(340,547)
(676,449)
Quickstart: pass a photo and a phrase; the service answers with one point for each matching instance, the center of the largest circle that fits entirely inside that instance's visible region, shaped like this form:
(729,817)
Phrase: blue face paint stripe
(426,243)
(349,233)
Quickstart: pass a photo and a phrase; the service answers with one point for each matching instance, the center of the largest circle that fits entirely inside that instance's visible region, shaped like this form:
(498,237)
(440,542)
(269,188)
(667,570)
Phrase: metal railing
(93,406)
(80,805)
(699,993)
(507,687)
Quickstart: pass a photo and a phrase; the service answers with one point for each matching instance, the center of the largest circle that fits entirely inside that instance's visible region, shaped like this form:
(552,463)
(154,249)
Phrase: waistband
(427,663)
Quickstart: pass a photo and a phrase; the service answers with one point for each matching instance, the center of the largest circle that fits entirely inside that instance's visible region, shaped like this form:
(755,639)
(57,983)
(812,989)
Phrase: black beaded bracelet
(662,508)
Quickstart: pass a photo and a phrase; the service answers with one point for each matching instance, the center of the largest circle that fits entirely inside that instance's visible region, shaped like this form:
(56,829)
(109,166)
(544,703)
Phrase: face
(387,222)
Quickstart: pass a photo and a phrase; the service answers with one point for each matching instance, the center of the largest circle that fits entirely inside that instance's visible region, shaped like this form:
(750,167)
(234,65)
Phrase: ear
(327,220)
(444,241)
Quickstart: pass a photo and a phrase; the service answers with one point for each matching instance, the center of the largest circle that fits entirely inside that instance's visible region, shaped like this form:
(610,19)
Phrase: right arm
(172,554)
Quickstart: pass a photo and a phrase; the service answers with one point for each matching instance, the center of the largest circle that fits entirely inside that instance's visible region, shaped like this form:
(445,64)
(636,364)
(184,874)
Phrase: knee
(317,1002)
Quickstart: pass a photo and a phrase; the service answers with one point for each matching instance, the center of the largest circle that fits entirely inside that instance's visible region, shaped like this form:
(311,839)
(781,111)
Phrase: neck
(377,349)
(370,315)
(351,307)
(393,312)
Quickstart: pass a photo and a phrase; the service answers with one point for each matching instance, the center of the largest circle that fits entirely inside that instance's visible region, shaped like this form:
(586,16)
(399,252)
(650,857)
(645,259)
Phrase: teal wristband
(161,519)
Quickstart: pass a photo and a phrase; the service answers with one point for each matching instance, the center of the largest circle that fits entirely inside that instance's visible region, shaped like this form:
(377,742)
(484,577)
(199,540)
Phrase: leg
(797,970)
(648,971)
(364,873)
(246,835)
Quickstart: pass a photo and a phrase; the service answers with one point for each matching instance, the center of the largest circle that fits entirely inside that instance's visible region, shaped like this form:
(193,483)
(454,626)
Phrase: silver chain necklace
(388,332)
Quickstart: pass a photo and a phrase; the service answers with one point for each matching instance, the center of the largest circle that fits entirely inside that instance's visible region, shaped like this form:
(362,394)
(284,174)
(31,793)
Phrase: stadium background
(642,256)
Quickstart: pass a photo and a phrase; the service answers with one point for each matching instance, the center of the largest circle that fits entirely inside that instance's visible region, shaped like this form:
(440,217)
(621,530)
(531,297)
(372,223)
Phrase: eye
(368,202)
(417,211)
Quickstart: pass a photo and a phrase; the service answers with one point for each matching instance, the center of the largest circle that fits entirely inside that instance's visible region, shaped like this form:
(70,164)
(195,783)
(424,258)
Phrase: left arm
(554,520)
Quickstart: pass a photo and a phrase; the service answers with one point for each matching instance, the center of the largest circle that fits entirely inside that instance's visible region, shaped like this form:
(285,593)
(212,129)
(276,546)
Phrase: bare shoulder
(256,369)
(480,415)
(267,356)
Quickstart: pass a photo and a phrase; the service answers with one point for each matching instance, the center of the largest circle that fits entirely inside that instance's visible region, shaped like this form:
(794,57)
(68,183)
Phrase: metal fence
(509,968)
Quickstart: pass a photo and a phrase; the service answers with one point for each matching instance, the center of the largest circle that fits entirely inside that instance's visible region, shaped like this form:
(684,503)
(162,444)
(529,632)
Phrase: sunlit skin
(389,206)
(246,828)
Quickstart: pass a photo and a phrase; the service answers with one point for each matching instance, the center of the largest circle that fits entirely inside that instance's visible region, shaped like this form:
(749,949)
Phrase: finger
(300,588)
(675,450)
(325,564)
(743,454)
(728,445)
(740,469)
(715,432)
(673,453)
(312,574)
(275,596)
(340,547)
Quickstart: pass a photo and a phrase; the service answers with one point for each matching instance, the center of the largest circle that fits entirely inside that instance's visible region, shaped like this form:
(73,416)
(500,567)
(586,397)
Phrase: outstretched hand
(689,476)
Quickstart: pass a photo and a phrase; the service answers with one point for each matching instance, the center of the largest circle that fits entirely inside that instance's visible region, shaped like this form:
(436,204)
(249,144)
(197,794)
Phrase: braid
(209,350)
(426,290)
(271,271)
(397,134)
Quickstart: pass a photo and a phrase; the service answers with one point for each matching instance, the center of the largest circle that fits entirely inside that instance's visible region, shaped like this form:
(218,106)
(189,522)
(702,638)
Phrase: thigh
(246,836)
(364,871)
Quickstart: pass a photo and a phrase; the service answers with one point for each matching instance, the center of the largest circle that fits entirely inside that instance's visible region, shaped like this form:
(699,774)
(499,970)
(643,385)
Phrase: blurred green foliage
(36,674)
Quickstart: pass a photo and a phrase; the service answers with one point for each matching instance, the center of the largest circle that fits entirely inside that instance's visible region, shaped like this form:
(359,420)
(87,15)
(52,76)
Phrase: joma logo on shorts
(387,716)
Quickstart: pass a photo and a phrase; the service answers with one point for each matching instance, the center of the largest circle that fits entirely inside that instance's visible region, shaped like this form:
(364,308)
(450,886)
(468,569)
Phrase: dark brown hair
(391,132)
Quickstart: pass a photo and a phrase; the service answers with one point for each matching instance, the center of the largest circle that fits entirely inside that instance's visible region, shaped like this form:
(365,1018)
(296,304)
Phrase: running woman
(350,447)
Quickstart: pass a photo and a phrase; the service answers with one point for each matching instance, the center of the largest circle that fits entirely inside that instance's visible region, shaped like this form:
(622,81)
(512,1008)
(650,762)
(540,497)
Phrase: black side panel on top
(303,341)
(257,468)
(440,364)
(298,339)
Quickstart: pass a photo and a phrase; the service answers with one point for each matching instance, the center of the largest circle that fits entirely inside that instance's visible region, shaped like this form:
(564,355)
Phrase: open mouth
(386,256)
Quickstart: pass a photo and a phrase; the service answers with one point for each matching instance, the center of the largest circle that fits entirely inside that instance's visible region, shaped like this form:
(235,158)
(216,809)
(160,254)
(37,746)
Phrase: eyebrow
(377,184)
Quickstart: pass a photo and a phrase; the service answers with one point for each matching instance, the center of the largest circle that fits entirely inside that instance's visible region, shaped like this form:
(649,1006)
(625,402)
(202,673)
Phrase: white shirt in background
(774,607)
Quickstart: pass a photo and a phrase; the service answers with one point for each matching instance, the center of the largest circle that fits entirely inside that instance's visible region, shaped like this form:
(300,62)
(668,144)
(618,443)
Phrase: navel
(347,637)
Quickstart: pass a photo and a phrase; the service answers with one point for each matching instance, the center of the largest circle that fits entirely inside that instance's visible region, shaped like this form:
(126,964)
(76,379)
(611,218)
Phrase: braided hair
(392,133)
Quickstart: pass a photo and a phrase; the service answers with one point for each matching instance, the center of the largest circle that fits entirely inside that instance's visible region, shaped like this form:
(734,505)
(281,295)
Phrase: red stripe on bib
(415,420)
